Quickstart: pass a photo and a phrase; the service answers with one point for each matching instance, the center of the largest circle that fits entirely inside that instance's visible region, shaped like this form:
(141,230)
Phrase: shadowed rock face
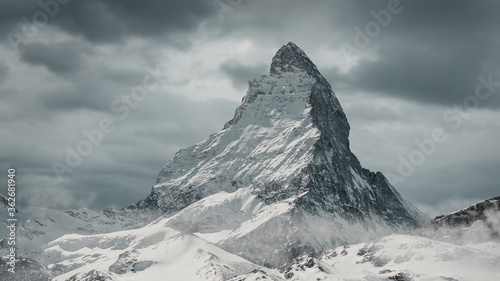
(477,223)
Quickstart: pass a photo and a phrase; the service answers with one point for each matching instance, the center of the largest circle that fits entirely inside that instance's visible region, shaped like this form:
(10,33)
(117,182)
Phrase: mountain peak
(286,150)
(289,58)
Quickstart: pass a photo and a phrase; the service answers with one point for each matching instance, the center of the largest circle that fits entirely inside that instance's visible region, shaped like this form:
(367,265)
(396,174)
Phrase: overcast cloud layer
(65,68)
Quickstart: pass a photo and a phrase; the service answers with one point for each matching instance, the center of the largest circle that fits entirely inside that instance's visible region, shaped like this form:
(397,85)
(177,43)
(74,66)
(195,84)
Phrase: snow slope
(37,226)
(401,257)
(156,252)
(150,253)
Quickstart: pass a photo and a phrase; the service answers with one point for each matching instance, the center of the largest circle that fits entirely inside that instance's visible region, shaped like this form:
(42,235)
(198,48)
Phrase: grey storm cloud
(61,58)
(12,13)
(4,71)
(472,179)
(240,74)
(109,21)
(426,76)
(84,95)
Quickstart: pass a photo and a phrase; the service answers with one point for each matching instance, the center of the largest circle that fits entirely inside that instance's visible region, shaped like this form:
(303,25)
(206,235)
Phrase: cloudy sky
(125,84)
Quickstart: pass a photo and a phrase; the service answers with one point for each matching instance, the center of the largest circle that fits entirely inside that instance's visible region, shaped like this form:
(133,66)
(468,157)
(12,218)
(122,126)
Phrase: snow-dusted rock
(475,224)
(37,226)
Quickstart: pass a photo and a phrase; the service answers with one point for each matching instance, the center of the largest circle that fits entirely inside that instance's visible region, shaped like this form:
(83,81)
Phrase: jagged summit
(284,165)
(289,58)
(291,70)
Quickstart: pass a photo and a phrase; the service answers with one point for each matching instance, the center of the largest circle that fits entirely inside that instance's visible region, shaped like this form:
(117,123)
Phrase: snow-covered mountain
(276,195)
(284,165)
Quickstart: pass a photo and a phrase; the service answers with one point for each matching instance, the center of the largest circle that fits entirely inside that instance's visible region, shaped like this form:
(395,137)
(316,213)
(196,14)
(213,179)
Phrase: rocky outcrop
(477,223)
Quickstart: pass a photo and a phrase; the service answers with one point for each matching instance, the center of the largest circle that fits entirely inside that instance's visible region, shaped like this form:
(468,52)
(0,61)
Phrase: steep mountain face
(477,223)
(288,142)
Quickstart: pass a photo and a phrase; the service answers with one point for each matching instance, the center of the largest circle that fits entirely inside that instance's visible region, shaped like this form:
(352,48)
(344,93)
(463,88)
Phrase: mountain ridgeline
(475,224)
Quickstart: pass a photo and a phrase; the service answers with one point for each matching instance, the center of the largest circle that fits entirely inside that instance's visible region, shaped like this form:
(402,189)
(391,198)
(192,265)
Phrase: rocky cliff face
(477,223)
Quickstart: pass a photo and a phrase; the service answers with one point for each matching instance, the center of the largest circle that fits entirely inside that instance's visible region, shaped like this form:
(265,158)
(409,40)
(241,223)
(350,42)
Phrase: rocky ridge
(275,195)
(477,223)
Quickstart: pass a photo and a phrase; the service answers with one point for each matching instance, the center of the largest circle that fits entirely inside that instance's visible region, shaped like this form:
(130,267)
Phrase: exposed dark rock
(468,215)
(400,277)
(93,275)
(477,223)
(25,269)
(125,262)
